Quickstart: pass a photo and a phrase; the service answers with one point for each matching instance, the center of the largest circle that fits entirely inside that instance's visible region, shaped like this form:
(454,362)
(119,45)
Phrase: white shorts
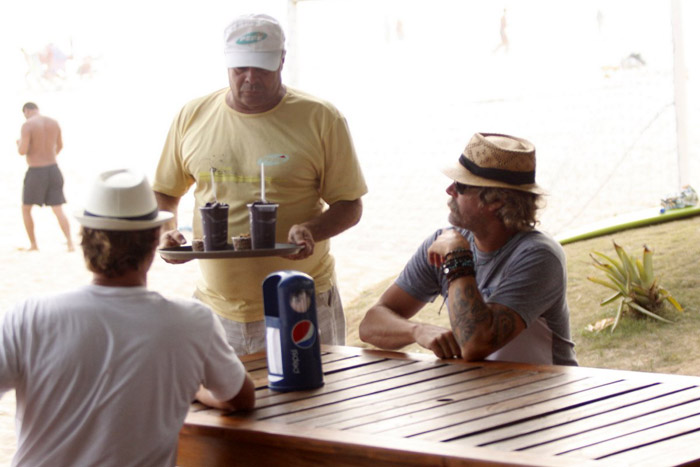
(247,338)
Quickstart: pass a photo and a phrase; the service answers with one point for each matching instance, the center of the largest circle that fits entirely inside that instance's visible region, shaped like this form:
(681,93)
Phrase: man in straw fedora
(105,374)
(504,281)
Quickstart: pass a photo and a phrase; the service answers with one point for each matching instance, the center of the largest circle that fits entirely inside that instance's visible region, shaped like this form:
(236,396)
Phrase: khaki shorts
(247,338)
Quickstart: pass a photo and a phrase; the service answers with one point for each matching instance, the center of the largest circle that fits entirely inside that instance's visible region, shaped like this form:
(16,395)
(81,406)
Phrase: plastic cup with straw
(263,215)
(213,183)
(214,221)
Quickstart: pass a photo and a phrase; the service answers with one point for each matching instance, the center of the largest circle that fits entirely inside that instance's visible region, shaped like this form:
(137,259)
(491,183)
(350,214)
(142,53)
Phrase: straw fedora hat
(122,200)
(496,160)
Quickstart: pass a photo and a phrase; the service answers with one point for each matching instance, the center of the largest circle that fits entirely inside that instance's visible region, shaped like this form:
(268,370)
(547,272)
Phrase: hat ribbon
(146,217)
(501,175)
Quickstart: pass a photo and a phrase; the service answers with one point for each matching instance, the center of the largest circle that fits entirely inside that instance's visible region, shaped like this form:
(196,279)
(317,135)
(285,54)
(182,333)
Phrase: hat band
(146,217)
(506,176)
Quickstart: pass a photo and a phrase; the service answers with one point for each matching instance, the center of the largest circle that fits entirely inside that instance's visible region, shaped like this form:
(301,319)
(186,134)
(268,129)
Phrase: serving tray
(185,252)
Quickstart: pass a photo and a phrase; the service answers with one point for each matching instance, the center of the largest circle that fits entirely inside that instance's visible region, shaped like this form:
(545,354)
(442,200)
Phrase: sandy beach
(605,137)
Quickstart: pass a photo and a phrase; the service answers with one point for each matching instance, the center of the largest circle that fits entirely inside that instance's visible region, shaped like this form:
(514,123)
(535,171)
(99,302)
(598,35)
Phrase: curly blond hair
(519,210)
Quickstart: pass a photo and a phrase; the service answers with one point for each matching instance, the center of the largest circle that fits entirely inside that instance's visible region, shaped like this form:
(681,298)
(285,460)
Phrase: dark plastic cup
(263,224)
(214,226)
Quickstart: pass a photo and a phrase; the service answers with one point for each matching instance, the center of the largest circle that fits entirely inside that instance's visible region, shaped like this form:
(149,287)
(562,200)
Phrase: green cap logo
(251,38)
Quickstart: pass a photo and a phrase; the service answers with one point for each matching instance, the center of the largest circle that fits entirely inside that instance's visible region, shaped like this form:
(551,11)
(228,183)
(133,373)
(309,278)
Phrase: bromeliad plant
(634,284)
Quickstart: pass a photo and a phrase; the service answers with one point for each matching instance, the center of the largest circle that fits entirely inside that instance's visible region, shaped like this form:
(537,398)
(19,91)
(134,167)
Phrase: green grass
(636,344)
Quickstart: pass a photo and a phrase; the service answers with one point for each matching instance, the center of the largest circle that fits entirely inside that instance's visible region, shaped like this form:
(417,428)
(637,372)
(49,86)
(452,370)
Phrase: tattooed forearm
(467,311)
(477,324)
(503,325)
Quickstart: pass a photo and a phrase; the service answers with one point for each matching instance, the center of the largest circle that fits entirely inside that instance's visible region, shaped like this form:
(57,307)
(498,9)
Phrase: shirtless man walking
(41,142)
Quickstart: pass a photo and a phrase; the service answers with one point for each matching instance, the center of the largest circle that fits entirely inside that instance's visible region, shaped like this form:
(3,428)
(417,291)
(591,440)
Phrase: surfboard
(624,222)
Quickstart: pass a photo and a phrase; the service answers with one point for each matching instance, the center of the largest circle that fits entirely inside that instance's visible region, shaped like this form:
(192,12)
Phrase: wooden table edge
(236,432)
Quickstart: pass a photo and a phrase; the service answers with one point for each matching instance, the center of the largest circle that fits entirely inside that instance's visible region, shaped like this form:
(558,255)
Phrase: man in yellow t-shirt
(315,178)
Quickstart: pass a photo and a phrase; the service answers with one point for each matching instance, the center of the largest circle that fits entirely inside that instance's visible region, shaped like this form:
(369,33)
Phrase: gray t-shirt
(528,275)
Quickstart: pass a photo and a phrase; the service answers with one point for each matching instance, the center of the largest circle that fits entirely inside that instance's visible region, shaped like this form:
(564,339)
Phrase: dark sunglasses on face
(461,188)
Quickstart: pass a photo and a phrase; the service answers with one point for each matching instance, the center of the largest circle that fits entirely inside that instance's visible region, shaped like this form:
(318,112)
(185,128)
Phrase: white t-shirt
(105,375)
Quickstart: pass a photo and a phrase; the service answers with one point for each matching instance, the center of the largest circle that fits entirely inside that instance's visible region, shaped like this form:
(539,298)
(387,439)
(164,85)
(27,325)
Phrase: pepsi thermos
(293,347)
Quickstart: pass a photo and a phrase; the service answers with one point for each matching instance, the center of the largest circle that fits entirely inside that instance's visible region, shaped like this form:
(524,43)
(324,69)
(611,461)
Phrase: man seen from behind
(41,141)
(105,374)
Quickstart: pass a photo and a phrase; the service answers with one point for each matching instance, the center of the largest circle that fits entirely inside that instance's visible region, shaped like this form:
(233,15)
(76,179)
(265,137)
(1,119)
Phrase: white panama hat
(122,200)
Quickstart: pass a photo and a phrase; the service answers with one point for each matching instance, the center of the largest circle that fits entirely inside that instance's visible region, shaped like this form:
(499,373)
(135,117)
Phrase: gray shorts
(43,186)
(247,338)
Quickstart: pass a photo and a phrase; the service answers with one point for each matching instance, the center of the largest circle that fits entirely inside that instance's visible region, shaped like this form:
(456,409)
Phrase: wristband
(458,253)
(458,267)
(457,273)
(455,264)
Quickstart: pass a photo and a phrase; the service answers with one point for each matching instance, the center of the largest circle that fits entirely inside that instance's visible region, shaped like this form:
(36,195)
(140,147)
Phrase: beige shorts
(247,338)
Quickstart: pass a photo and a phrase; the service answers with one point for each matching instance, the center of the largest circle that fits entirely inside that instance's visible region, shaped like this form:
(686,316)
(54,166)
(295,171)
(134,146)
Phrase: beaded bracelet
(458,267)
(457,263)
(457,273)
(458,253)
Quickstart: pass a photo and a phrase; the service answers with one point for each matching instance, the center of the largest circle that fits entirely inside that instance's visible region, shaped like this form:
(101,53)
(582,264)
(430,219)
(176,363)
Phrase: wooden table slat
(330,362)
(352,376)
(468,390)
(523,434)
(259,362)
(332,416)
(396,422)
(542,395)
(641,437)
(681,450)
(357,387)
(255,363)
(512,421)
(330,358)
(341,364)
(596,433)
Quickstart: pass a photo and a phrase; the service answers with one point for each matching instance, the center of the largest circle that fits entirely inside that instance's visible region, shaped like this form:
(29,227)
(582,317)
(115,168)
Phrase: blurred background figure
(505,44)
(40,142)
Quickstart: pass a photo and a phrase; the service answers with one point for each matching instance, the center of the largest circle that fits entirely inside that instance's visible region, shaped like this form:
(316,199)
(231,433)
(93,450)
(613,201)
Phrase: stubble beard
(454,217)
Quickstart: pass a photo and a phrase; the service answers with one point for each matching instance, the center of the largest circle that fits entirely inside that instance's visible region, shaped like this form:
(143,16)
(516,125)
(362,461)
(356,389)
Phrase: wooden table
(382,408)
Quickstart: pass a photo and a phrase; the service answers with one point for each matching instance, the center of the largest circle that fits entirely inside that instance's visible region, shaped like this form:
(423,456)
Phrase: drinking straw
(213,184)
(262,182)
(270,159)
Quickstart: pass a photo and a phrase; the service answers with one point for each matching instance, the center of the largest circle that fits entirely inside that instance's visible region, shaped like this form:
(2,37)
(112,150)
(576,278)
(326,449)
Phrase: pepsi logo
(303,334)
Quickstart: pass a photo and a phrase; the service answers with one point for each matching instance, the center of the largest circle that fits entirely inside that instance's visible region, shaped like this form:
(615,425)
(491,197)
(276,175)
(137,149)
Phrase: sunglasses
(461,188)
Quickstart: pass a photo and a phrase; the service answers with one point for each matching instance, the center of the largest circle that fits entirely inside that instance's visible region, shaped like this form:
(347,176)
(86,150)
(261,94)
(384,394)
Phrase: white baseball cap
(122,200)
(254,41)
